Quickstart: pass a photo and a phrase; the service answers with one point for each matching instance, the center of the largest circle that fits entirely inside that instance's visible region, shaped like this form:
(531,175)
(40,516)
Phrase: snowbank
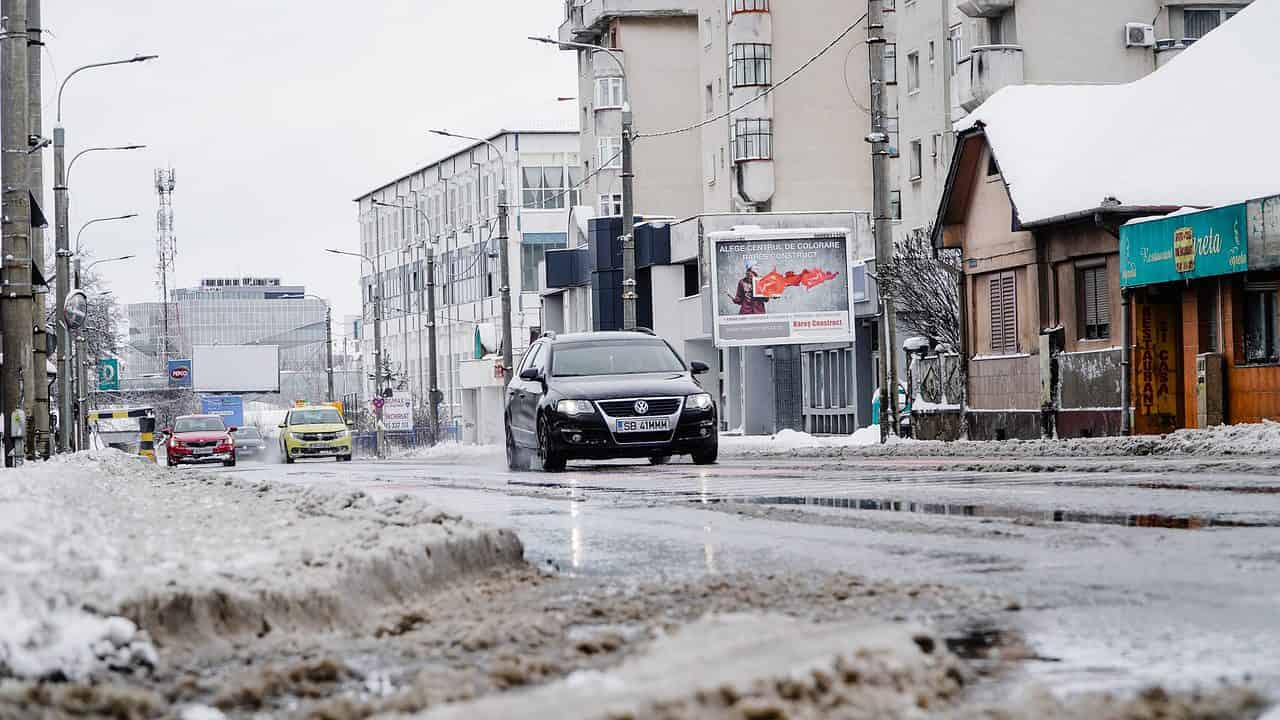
(101,552)
(1064,148)
(454,452)
(765,666)
(792,442)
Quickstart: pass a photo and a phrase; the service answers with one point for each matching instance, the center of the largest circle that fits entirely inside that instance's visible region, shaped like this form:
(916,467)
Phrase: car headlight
(701,401)
(574,407)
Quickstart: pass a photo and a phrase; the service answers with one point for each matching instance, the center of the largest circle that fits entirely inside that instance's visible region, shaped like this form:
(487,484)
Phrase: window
(915,160)
(533,251)
(610,154)
(544,188)
(1209,313)
(752,64)
(891,128)
(706,32)
(740,6)
(608,93)
(1260,332)
(575,185)
(1095,303)
(610,204)
(956,37)
(890,64)
(913,71)
(692,286)
(995,36)
(752,139)
(895,204)
(1196,23)
(937,145)
(711,100)
(1004,313)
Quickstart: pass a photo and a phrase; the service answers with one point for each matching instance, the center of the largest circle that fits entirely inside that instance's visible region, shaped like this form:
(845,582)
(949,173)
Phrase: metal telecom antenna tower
(166,250)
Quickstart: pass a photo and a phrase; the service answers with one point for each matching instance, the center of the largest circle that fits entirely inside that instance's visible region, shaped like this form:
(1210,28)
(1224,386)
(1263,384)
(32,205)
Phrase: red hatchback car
(200,439)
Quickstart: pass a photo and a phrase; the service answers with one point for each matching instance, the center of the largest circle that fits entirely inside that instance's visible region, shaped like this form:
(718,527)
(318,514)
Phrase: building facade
(450,207)
(235,311)
(949,56)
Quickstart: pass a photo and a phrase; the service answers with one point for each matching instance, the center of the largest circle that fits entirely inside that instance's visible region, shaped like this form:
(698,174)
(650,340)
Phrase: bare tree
(923,282)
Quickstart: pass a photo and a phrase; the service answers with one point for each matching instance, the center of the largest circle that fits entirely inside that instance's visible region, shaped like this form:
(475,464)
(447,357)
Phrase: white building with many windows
(450,207)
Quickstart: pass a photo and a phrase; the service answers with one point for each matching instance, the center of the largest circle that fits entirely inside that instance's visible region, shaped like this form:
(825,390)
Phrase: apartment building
(947,57)
(451,205)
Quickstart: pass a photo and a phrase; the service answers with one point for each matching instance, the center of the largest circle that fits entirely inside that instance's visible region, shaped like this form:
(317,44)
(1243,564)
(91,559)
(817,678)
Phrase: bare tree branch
(926,292)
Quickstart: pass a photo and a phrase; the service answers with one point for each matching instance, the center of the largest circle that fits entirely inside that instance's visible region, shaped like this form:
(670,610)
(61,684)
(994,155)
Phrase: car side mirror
(232,429)
(167,431)
(281,426)
(531,374)
(698,368)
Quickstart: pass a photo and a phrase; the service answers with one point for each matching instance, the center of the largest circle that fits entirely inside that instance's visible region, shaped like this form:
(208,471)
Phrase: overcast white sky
(275,114)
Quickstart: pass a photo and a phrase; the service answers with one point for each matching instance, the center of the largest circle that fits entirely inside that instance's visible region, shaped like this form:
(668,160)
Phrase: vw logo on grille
(642,407)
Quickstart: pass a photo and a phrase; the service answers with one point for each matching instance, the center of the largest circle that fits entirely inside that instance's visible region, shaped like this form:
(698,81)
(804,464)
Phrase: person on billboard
(745,297)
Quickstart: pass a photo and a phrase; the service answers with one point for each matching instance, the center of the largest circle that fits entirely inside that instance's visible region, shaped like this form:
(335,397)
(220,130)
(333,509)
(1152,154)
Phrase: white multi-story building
(451,206)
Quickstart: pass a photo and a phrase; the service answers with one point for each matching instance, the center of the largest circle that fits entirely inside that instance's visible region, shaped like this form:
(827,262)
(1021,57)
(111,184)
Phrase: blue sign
(229,407)
(1192,245)
(180,373)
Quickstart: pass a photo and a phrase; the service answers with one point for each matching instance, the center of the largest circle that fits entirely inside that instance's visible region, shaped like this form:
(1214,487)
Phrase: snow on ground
(89,540)
(792,442)
(461,452)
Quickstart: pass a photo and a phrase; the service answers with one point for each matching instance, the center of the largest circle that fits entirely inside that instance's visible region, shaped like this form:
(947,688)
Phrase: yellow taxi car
(314,431)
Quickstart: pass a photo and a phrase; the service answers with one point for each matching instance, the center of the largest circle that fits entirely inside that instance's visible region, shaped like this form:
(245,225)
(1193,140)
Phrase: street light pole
(328,341)
(503,256)
(629,294)
(62,240)
(883,231)
(377,339)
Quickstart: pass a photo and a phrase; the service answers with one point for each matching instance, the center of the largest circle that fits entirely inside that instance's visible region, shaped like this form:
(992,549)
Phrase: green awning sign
(1206,243)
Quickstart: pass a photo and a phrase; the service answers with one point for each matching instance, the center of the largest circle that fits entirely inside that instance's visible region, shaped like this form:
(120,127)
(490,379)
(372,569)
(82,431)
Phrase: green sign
(1193,245)
(108,374)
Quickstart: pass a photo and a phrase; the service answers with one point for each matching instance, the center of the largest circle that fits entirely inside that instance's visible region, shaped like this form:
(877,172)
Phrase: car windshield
(614,358)
(317,416)
(247,433)
(198,424)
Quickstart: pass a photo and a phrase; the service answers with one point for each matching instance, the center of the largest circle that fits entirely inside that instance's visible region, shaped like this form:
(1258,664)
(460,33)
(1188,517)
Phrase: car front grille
(211,443)
(314,437)
(627,408)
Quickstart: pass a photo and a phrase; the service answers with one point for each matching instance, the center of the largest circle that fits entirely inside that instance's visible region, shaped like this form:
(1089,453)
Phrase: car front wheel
(706,456)
(552,461)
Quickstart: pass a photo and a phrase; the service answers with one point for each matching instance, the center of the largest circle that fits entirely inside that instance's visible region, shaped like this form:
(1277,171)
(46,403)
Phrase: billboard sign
(180,373)
(781,287)
(229,407)
(108,374)
(1189,245)
(236,368)
(397,414)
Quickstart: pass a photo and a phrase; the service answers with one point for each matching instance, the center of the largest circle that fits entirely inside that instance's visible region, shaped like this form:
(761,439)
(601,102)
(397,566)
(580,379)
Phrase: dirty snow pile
(101,552)
(450,451)
(793,442)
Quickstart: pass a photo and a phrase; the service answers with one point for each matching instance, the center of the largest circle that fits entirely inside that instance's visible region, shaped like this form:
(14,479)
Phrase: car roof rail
(645,330)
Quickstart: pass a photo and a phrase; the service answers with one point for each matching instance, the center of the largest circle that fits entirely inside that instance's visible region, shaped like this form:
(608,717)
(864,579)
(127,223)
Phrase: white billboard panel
(236,368)
(781,287)
(397,414)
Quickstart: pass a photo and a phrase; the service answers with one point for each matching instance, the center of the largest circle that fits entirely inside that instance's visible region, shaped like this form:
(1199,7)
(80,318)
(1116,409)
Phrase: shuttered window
(1004,314)
(1095,303)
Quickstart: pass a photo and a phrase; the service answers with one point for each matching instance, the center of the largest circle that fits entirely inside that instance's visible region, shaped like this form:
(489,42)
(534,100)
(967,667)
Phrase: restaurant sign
(1205,243)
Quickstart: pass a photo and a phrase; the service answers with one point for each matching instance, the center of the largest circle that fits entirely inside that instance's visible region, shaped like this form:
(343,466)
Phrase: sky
(275,114)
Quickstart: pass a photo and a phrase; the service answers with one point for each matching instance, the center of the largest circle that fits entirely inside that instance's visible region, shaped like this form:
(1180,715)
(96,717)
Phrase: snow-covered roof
(1199,131)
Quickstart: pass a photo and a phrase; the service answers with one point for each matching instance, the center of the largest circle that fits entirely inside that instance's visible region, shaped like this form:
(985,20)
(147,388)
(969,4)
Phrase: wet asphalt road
(1127,571)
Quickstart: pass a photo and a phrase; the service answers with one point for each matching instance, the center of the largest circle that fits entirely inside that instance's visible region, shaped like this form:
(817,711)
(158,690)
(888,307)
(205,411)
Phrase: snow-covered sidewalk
(1257,439)
(190,558)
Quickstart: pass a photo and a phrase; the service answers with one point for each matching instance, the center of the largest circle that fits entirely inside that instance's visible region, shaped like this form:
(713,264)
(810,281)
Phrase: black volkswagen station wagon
(607,395)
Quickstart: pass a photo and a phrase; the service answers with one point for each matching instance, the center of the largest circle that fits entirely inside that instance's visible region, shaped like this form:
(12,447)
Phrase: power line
(771,88)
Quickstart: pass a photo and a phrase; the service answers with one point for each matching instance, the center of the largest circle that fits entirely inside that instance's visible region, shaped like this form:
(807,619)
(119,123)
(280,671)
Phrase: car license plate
(202,451)
(642,425)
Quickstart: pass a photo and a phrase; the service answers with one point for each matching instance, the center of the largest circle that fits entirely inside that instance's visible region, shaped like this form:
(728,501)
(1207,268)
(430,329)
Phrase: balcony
(990,67)
(984,8)
(586,18)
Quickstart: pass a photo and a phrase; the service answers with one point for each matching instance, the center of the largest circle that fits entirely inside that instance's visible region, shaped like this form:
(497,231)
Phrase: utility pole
(433,402)
(62,240)
(39,442)
(629,295)
(879,139)
(15,228)
(328,346)
(505,290)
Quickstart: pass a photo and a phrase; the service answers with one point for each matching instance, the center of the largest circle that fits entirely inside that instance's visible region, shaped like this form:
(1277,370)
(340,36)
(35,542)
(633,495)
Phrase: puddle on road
(1122,519)
(1147,520)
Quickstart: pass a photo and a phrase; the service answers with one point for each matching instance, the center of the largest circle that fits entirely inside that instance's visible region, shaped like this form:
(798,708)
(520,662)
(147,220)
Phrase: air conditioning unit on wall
(1141,35)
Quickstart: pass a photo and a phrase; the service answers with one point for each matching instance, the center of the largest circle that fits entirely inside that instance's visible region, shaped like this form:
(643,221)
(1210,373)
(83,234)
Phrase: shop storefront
(1203,289)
